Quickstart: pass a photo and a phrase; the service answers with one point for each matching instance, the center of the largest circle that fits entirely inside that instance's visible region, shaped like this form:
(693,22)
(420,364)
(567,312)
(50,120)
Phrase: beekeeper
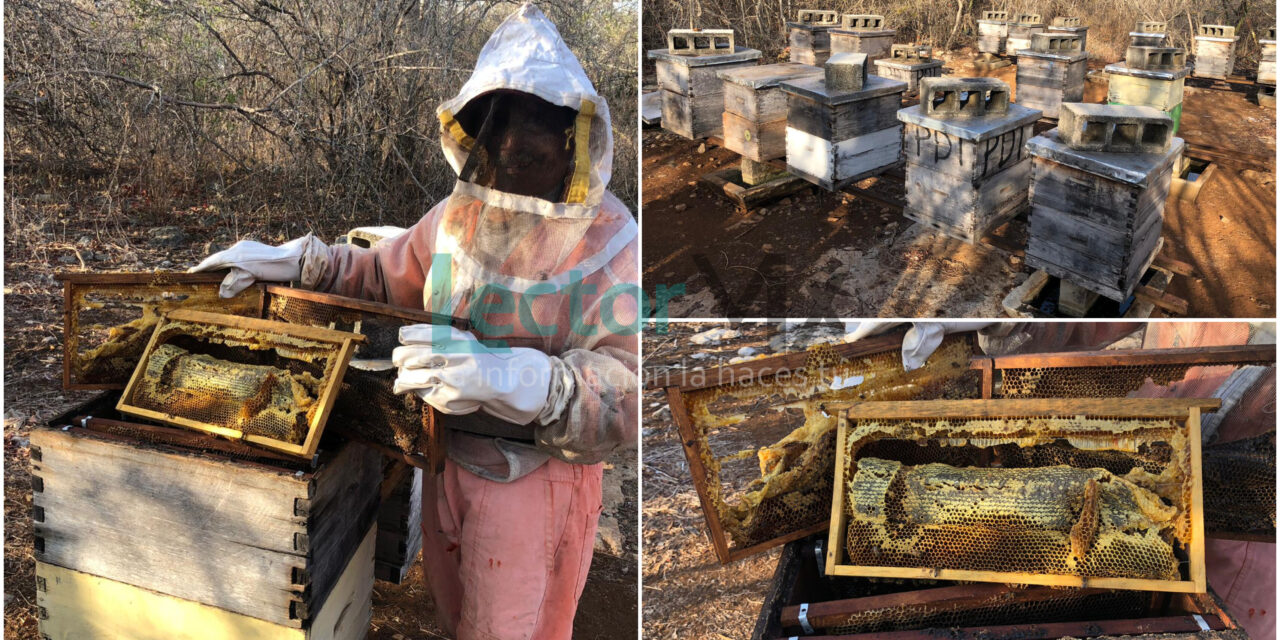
(530,246)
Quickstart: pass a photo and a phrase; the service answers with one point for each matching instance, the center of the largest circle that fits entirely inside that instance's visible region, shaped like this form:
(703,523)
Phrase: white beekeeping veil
(518,241)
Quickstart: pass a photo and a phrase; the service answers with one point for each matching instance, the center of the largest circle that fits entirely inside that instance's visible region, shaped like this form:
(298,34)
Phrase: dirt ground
(819,254)
(74,227)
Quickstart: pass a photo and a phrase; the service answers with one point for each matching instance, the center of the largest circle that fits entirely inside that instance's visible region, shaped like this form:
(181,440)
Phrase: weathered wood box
(692,93)
(1267,58)
(837,136)
(909,63)
(399,529)
(810,36)
(755,108)
(863,34)
(993,29)
(1097,206)
(1159,88)
(1149,33)
(1215,51)
(967,167)
(1072,26)
(183,516)
(1051,72)
(1020,31)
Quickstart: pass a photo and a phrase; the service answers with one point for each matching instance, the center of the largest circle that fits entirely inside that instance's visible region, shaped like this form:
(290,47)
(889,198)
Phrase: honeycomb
(1057,605)
(1087,496)
(762,493)
(1240,486)
(258,382)
(256,399)
(108,324)
(1047,520)
(1112,381)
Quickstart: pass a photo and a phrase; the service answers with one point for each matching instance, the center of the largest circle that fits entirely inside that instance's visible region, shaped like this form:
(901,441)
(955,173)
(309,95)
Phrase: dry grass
(761,25)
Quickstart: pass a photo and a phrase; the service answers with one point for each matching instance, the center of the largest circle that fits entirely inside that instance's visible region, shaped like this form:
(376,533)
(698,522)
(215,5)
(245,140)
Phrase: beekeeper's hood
(527,54)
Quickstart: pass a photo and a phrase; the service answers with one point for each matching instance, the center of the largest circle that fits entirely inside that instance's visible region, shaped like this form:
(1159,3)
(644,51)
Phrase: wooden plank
(1196,552)
(367,306)
(77,605)
(317,334)
(1088,629)
(1163,299)
(736,554)
(689,440)
(1014,577)
(936,600)
(1209,356)
(743,373)
(1061,407)
(142,278)
(835,543)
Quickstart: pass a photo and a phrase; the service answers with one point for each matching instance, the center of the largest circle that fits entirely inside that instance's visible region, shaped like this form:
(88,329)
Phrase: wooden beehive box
(967,167)
(1051,72)
(692,93)
(993,29)
(1215,51)
(1021,28)
(1157,88)
(1267,58)
(918,497)
(835,138)
(863,34)
(909,63)
(399,527)
(1097,215)
(755,108)
(810,36)
(211,527)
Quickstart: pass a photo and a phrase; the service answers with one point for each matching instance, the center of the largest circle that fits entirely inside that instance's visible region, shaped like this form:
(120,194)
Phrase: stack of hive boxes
(909,63)
(1215,51)
(993,29)
(967,165)
(811,36)
(399,529)
(158,533)
(842,126)
(1051,72)
(1020,31)
(861,33)
(1071,26)
(755,114)
(1151,75)
(1099,184)
(1267,69)
(692,93)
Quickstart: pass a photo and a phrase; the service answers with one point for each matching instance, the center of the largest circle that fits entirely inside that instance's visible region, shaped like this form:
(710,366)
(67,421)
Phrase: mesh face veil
(525,211)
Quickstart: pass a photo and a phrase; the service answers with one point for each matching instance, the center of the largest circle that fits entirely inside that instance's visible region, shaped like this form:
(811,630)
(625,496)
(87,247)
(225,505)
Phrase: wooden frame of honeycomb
(288,341)
(1120,424)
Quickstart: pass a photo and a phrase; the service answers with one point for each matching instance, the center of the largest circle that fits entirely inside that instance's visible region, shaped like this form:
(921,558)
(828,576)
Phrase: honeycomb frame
(334,347)
(1027,423)
(154,293)
(787,381)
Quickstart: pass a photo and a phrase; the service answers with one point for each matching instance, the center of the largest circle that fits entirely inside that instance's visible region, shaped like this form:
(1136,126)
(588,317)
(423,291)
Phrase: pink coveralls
(509,560)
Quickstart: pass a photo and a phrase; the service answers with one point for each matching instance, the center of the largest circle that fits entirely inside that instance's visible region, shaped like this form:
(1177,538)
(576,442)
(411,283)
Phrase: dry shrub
(760,25)
(324,108)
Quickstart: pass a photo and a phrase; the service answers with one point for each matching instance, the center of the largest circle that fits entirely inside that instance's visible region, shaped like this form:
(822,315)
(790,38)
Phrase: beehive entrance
(1092,496)
(766,448)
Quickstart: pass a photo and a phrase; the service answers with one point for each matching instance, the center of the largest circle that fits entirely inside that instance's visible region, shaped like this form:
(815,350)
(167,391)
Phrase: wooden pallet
(748,197)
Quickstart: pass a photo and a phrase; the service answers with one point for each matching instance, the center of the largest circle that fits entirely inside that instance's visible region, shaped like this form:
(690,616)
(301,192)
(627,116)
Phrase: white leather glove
(920,341)
(456,374)
(303,259)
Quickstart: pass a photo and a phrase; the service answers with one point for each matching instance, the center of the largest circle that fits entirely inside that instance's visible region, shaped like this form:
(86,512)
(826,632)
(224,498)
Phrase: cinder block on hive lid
(1056,43)
(862,22)
(699,42)
(1151,26)
(963,97)
(911,52)
(1155,58)
(1216,31)
(995,15)
(1115,128)
(846,72)
(818,17)
(1148,33)
(1064,21)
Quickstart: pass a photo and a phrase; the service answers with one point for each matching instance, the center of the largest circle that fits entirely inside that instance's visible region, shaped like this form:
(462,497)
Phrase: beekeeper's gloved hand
(455,373)
(303,259)
(920,341)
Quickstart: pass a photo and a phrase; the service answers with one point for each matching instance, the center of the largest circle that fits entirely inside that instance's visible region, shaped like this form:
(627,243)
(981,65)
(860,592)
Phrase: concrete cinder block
(818,17)
(700,42)
(1155,58)
(1151,26)
(862,22)
(1056,43)
(964,97)
(1267,96)
(846,72)
(1114,128)
(911,52)
(1028,18)
(1216,31)
(1063,21)
(995,15)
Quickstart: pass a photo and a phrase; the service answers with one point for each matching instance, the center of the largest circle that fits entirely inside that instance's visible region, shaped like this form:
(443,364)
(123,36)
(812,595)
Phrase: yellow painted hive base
(80,606)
